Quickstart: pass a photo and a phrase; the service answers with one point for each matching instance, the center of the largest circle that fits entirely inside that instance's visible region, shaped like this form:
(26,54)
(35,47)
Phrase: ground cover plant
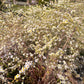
(42,44)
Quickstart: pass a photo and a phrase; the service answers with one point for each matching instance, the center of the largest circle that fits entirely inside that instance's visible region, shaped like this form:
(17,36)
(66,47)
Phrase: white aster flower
(27,65)
(36,60)
(17,76)
(1,69)
(22,70)
(44,57)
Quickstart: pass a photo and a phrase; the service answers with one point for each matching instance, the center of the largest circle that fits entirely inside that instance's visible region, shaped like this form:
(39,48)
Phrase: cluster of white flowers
(26,67)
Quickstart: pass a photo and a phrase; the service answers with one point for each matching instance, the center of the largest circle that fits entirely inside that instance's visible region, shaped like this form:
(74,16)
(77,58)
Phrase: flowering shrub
(37,40)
